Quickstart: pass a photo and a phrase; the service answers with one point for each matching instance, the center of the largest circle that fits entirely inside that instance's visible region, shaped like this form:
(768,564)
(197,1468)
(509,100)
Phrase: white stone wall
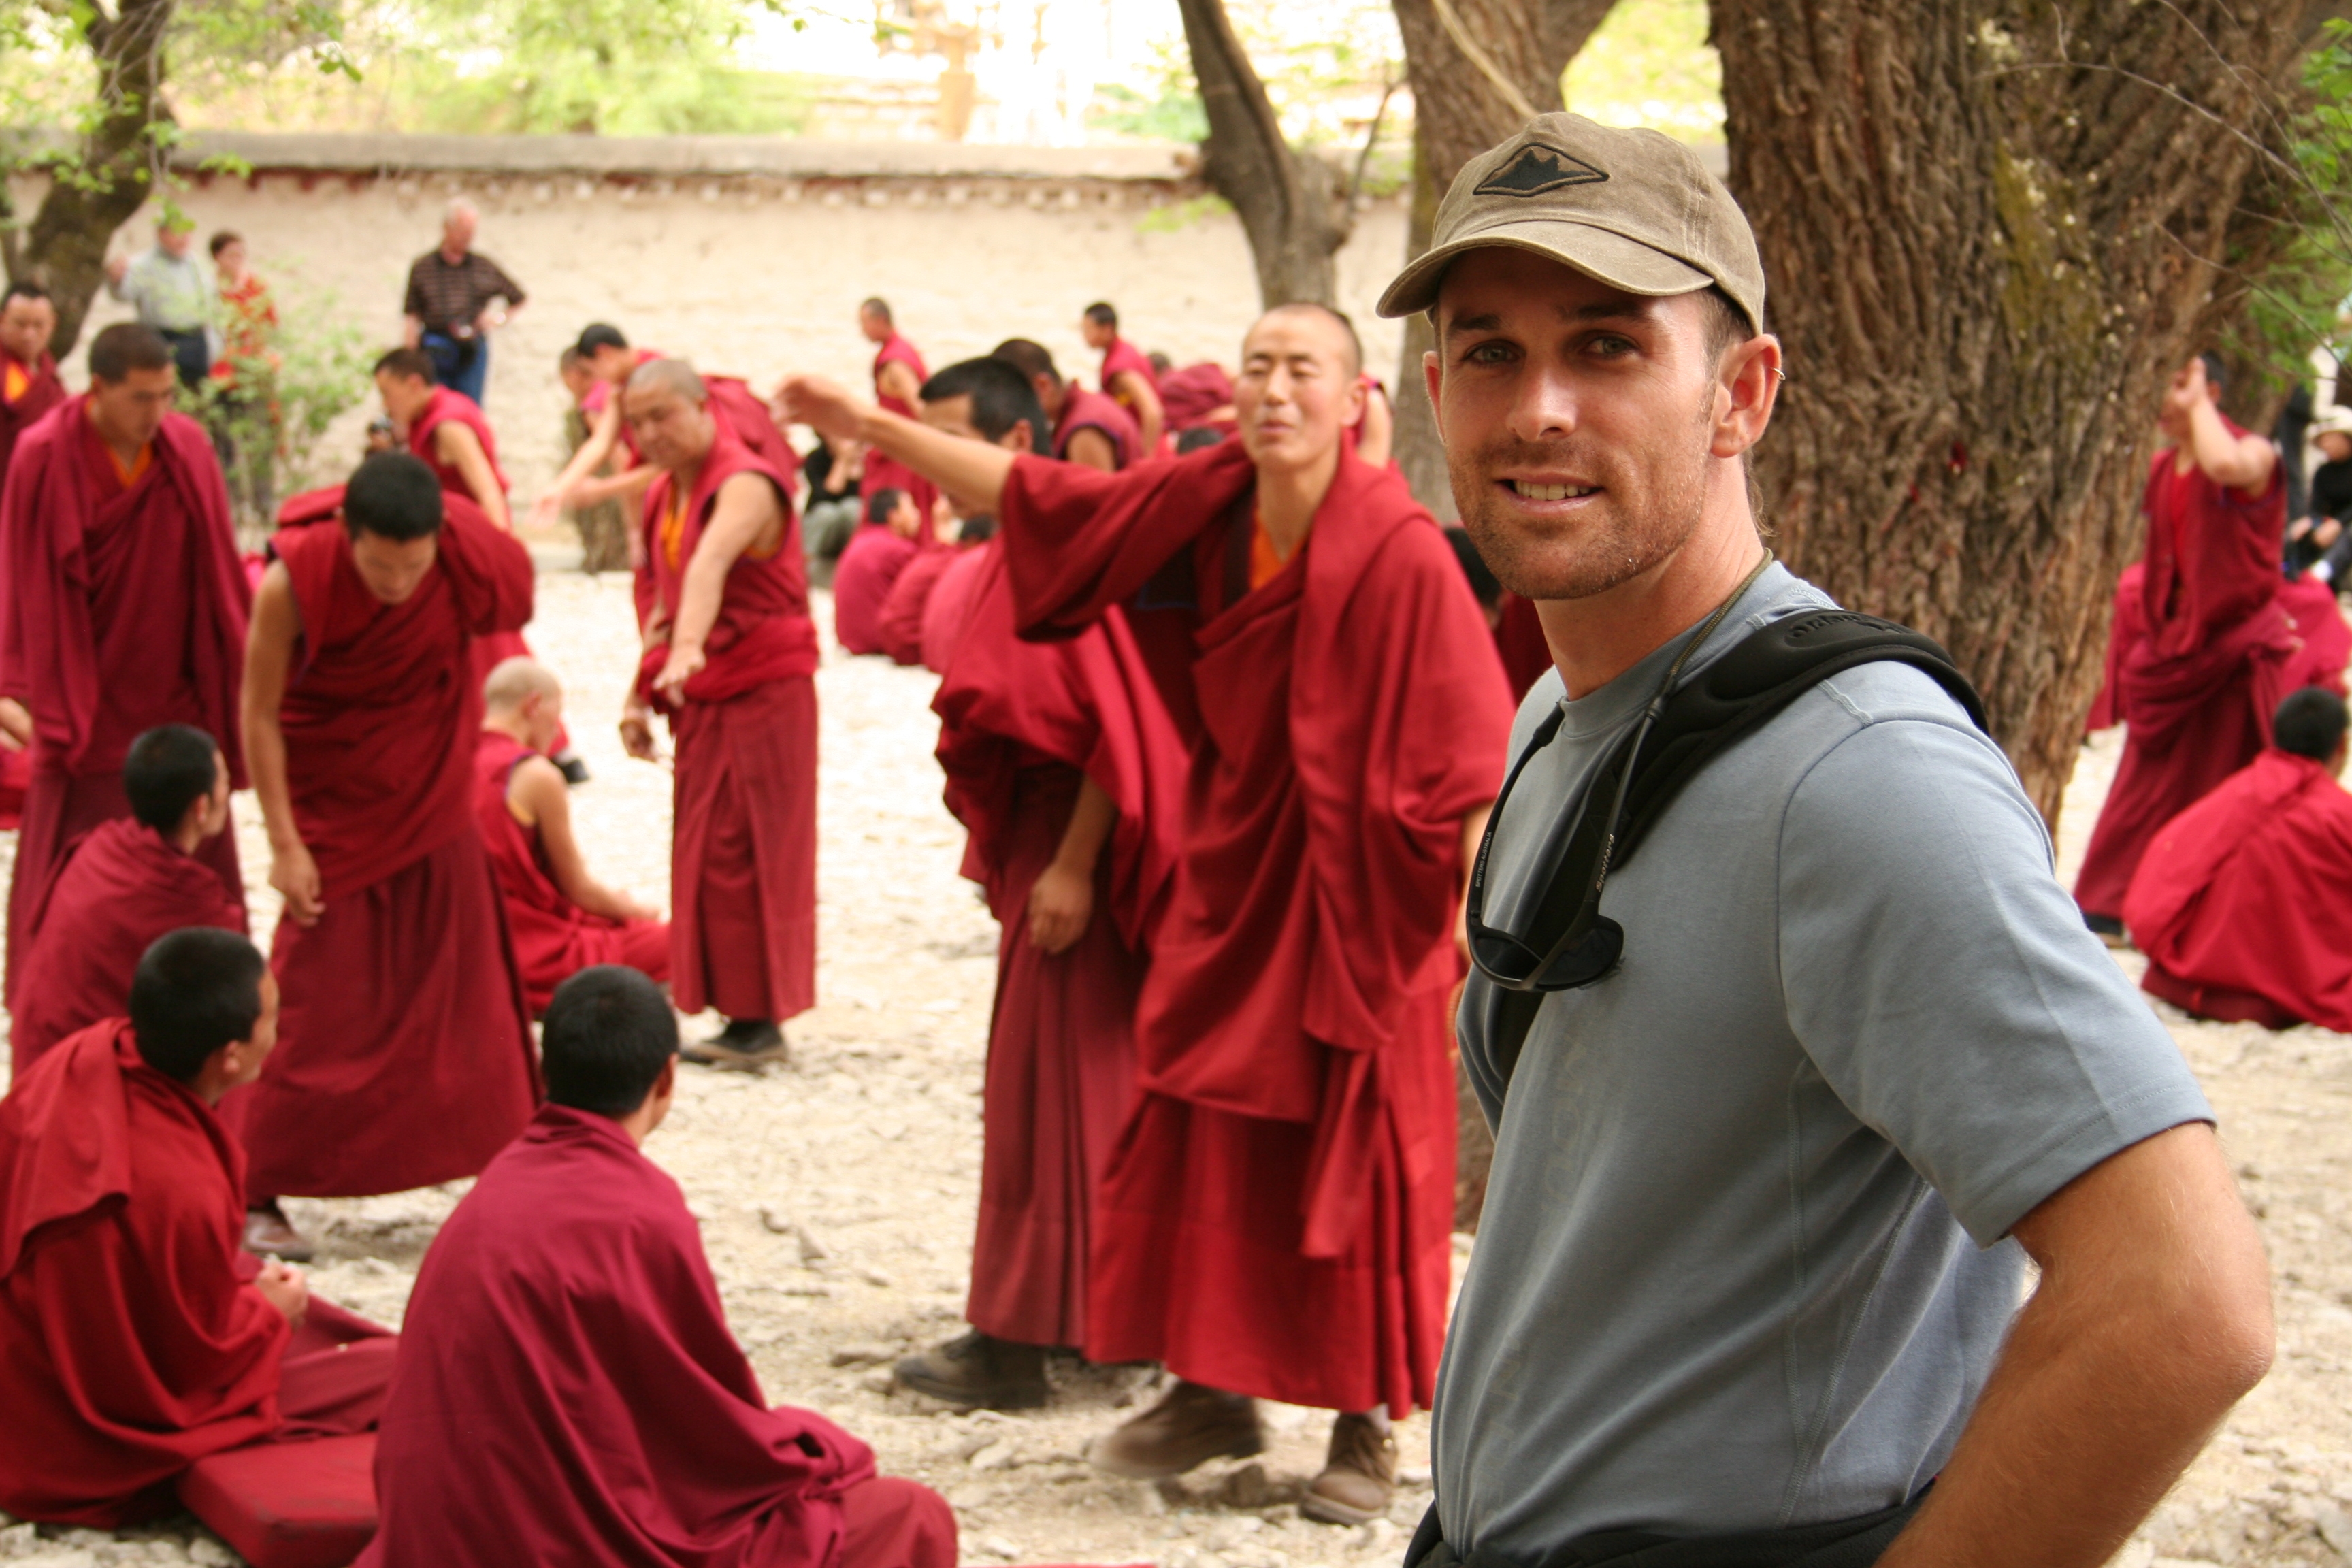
(756,276)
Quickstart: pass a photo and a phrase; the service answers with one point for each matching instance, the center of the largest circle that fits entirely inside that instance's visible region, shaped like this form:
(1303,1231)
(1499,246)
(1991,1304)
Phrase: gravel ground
(837,1197)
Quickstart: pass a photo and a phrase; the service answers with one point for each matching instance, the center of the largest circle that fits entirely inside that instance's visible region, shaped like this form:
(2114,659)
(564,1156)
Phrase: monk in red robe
(949,610)
(609,360)
(1126,376)
(1277,1217)
(1198,396)
(899,377)
(886,544)
(731,656)
(446,429)
(2217,651)
(124,884)
(899,628)
(135,1337)
(125,605)
(568,1390)
(29,386)
(1068,774)
(2244,902)
(406,1058)
(562,919)
(1088,426)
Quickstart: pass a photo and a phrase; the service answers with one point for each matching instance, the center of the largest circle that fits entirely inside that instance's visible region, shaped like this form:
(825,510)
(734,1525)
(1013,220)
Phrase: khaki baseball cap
(1632,208)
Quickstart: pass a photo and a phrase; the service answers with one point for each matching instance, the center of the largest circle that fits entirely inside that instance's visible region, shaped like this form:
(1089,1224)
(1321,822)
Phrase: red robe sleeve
(1078,541)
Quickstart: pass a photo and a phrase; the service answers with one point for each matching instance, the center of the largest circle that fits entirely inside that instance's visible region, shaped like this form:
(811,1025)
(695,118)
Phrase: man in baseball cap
(1747,1282)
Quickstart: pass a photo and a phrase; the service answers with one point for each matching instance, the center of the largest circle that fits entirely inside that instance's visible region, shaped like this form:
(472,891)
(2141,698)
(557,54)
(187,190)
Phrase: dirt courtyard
(837,1197)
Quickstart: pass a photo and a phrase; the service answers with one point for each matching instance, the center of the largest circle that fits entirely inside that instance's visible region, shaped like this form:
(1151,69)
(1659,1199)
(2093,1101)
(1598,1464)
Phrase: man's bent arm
(592,451)
(975,470)
(1148,413)
(747,504)
(2152,1319)
(2243,463)
(268,656)
(458,445)
(541,790)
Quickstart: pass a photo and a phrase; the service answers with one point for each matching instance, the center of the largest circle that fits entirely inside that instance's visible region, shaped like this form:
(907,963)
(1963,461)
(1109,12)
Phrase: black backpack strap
(1728,699)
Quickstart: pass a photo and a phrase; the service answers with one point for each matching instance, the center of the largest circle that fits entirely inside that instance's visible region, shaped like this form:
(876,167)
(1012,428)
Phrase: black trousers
(191,353)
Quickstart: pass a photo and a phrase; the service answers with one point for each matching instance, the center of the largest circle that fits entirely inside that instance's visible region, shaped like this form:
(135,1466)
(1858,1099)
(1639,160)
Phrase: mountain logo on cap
(1535,169)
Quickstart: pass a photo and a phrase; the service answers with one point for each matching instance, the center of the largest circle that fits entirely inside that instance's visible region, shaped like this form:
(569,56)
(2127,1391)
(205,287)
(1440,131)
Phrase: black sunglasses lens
(1588,959)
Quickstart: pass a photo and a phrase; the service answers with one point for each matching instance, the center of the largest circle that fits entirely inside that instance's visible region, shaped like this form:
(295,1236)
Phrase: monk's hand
(284,1288)
(15,724)
(296,877)
(1061,901)
(685,662)
(638,731)
(829,408)
(547,510)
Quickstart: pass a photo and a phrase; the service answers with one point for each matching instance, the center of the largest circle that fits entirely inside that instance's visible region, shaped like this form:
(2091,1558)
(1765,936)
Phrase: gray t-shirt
(1725,1279)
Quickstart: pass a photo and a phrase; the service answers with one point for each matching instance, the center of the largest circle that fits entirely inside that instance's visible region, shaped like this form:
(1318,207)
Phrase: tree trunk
(1291,204)
(1462,106)
(117,164)
(1991,234)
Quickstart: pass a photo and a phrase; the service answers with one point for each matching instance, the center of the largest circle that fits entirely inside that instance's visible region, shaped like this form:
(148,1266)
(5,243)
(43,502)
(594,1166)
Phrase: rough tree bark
(114,166)
(1479,69)
(1293,206)
(1990,233)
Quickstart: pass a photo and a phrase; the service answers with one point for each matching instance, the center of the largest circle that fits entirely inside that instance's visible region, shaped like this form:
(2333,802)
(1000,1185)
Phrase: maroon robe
(569,1393)
(888,473)
(1084,410)
(1188,396)
(554,939)
(124,608)
(899,626)
(1519,641)
(948,609)
(43,391)
(132,1342)
(2243,901)
(869,568)
(2217,645)
(743,835)
(120,888)
(448,405)
(1021,724)
(404,1053)
(1277,1219)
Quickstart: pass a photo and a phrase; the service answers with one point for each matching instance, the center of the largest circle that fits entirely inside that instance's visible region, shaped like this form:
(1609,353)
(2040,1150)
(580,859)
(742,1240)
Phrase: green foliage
(1175,115)
(2298,291)
(1323,66)
(1650,64)
(310,372)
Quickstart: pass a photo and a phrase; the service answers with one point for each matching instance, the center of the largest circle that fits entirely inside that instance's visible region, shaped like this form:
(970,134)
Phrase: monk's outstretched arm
(1135,387)
(1062,899)
(458,445)
(624,487)
(975,471)
(268,658)
(585,462)
(747,508)
(539,790)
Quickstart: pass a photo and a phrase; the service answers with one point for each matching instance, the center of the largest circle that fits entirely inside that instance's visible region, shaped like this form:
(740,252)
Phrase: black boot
(744,1042)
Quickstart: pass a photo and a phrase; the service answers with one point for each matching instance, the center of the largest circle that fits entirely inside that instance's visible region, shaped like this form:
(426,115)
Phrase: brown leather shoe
(745,1044)
(1359,1475)
(268,1232)
(977,1371)
(1191,1426)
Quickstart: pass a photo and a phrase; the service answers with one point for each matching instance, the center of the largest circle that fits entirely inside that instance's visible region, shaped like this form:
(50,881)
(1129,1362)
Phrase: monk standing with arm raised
(125,605)
(406,1059)
(1277,1219)
(731,656)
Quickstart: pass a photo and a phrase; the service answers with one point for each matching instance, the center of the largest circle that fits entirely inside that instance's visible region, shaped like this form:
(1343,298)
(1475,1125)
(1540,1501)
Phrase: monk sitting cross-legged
(407,1057)
(569,1391)
(1276,1219)
(125,605)
(2244,902)
(135,1338)
(126,883)
(562,919)
(730,654)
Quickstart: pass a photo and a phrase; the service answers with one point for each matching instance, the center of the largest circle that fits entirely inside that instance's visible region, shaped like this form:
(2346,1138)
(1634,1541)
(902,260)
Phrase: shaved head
(670,375)
(515,682)
(1354,345)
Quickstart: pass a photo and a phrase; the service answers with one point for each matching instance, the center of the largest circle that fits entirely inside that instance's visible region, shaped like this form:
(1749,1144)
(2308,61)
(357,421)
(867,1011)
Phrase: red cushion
(289,1505)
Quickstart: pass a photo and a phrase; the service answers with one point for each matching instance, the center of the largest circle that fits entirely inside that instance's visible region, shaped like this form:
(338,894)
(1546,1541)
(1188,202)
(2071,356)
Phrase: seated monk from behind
(125,883)
(2243,901)
(568,1389)
(562,919)
(135,1337)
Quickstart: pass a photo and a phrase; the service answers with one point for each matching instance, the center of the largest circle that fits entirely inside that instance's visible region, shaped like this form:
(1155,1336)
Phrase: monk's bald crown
(670,374)
(515,680)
